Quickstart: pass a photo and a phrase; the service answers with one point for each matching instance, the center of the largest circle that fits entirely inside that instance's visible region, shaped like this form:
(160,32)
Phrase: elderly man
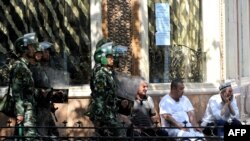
(221,110)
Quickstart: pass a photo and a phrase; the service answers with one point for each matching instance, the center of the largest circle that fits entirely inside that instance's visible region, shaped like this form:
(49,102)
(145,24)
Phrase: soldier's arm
(17,90)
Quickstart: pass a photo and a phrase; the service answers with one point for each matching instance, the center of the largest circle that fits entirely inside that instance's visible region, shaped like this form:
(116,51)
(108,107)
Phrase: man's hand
(124,103)
(198,129)
(19,119)
(182,127)
(125,119)
(227,98)
(44,92)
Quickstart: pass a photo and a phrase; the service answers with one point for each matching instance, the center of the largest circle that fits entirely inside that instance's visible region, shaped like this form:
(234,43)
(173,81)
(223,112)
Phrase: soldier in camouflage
(44,103)
(22,85)
(103,108)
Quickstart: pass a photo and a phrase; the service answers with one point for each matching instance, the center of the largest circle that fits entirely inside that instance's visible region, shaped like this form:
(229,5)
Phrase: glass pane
(184,58)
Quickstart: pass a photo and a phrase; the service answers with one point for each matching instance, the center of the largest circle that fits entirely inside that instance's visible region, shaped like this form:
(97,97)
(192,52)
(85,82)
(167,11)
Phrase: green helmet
(27,39)
(101,53)
(109,48)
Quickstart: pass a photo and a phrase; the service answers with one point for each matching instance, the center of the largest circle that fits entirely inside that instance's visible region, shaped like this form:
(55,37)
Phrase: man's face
(227,93)
(31,51)
(178,91)
(38,56)
(143,88)
(110,60)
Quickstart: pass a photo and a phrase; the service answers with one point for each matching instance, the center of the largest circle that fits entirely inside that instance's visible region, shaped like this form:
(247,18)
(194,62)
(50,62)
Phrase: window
(184,57)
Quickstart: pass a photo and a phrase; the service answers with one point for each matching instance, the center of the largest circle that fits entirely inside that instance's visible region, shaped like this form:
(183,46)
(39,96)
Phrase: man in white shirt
(221,110)
(175,109)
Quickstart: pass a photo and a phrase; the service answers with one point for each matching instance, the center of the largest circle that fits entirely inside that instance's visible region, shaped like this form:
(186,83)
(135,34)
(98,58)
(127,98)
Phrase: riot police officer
(103,110)
(44,104)
(22,85)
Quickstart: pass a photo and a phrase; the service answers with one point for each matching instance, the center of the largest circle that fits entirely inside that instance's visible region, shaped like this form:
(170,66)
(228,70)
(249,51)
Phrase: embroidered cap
(225,85)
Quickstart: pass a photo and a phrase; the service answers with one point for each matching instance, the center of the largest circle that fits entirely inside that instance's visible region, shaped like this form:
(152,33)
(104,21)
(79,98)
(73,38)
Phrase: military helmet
(102,41)
(47,46)
(101,53)
(27,39)
(109,48)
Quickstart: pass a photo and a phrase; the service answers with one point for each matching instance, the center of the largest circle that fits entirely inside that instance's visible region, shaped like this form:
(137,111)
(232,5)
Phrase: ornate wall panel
(119,25)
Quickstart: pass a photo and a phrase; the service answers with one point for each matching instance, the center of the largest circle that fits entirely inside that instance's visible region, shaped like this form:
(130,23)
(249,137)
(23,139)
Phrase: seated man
(175,109)
(221,110)
(143,113)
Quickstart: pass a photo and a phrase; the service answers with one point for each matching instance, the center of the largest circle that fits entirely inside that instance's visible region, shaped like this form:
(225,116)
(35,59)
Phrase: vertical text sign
(162,20)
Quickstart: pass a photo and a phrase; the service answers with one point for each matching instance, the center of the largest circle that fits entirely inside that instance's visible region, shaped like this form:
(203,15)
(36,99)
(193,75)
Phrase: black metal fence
(79,128)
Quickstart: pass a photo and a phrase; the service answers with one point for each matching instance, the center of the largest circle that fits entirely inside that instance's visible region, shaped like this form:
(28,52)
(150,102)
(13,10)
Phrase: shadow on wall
(71,114)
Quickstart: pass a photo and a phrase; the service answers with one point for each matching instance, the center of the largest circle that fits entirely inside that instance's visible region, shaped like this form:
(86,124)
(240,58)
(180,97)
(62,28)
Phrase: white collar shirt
(214,107)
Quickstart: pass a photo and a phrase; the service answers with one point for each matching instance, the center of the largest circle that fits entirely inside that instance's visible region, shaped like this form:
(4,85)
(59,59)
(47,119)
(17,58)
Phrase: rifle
(49,96)
(57,96)
(20,131)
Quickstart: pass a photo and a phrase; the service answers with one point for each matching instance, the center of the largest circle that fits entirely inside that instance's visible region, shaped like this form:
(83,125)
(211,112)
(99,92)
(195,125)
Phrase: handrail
(95,136)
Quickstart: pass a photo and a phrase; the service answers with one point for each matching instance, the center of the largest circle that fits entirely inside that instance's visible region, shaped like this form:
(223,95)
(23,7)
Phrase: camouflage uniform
(103,109)
(44,116)
(23,90)
(22,85)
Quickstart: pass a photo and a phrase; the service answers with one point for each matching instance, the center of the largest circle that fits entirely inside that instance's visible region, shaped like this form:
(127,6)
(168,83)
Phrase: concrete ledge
(154,89)
(190,88)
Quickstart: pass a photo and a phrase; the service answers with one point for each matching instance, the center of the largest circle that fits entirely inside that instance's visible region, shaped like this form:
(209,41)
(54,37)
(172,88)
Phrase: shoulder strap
(10,81)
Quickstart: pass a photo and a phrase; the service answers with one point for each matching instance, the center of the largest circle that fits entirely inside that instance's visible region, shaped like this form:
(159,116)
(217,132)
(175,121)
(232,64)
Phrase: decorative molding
(121,24)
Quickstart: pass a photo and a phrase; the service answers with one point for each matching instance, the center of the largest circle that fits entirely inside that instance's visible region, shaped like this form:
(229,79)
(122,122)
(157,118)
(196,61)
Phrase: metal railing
(67,134)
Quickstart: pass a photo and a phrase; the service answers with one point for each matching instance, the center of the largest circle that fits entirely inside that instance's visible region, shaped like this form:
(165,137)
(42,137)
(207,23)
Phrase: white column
(212,38)
(95,25)
(232,39)
(144,60)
